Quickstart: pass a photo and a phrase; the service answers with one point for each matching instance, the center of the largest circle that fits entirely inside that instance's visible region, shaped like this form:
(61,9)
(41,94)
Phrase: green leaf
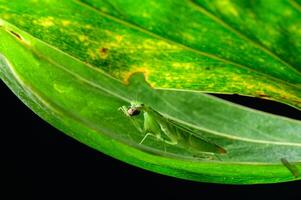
(65,60)
(230,46)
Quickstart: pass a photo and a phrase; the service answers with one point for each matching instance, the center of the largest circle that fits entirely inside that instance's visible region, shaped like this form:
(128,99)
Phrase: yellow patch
(227,7)
(119,38)
(6,16)
(151,44)
(92,54)
(135,69)
(66,22)
(46,21)
(283,93)
(83,38)
(88,26)
(188,36)
(184,66)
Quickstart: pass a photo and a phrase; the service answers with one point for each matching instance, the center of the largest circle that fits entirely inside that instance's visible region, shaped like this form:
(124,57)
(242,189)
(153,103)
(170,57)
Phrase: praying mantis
(167,131)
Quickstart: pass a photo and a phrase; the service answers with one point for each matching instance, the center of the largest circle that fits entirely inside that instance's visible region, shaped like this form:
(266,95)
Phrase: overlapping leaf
(66,63)
(250,48)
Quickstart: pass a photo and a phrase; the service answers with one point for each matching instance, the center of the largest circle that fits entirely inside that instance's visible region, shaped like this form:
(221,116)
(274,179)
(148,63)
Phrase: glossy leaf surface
(69,60)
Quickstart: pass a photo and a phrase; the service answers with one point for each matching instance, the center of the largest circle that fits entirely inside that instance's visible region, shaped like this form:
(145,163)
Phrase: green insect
(168,131)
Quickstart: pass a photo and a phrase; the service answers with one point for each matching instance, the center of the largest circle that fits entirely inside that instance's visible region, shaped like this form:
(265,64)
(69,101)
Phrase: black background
(40,162)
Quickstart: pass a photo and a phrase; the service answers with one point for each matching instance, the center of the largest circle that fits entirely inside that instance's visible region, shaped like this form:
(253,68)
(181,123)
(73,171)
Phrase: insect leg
(146,135)
(124,109)
(292,168)
(172,139)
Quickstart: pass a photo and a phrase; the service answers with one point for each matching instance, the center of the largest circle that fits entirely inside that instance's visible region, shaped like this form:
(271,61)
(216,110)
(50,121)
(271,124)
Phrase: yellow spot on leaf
(6,16)
(46,21)
(92,54)
(184,66)
(188,36)
(151,44)
(88,26)
(227,7)
(66,22)
(145,69)
(83,38)
(119,38)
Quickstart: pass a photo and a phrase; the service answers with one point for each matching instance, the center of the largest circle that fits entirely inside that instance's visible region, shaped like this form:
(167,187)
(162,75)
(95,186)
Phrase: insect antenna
(136,96)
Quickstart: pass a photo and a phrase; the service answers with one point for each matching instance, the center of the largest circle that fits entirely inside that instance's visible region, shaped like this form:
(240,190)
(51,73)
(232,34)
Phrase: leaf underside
(69,62)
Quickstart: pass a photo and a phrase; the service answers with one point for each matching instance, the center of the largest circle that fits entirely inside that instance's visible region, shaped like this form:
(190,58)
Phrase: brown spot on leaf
(103,52)
(16,35)
(296,101)
(262,95)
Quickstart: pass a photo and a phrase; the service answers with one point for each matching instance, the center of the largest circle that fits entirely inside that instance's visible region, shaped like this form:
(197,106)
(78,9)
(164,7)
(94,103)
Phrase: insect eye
(133,111)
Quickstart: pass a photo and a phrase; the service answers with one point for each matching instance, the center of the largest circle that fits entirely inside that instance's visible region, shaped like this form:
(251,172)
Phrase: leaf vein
(242,35)
(206,54)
